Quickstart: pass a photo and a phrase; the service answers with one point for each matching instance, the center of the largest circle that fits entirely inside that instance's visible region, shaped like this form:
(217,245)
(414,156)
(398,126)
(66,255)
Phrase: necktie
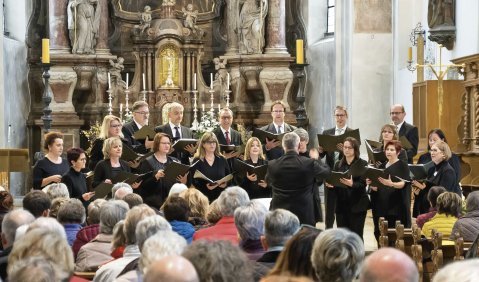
(279,129)
(339,131)
(228,140)
(177,133)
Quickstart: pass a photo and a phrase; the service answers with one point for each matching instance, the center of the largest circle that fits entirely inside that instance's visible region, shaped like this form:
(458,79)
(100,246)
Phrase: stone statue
(251,29)
(441,13)
(169,3)
(83,25)
(221,72)
(190,17)
(145,19)
(116,68)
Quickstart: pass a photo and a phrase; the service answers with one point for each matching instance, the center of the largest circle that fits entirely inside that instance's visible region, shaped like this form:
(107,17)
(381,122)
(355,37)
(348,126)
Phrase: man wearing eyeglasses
(273,147)
(225,133)
(140,113)
(405,129)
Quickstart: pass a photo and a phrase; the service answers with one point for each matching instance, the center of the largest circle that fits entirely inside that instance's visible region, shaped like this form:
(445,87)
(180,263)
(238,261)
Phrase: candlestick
(409,54)
(127,81)
(109,81)
(211,79)
(144,95)
(194,81)
(127,110)
(144,82)
(45,51)
(110,97)
(121,112)
(194,125)
(299,52)
(212,99)
(227,96)
(228,81)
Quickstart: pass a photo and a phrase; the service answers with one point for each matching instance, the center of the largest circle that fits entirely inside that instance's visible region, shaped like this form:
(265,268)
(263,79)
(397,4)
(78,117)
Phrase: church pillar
(58,30)
(102,43)
(276,28)
(232,9)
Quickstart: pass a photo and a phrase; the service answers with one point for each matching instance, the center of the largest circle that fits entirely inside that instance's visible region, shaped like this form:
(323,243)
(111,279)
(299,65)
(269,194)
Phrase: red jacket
(85,235)
(224,229)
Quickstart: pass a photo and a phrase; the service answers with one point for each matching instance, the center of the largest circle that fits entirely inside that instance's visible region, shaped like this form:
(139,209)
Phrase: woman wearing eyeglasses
(75,179)
(154,190)
(389,133)
(212,164)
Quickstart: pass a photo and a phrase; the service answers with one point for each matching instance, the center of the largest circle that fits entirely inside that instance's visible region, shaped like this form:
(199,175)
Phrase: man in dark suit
(225,133)
(405,129)
(176,131)
(292,178)
(273,147)
(341,117)
(140,113)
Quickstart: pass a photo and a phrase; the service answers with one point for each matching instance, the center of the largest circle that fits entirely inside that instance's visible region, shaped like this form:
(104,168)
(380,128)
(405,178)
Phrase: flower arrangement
(91,134)
(207,124)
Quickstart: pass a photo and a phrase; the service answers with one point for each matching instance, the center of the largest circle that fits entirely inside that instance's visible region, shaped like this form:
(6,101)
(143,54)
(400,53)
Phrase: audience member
(55,207)
(133,200)
(214,214)
(11,222)
(118,242)
(45,223)
(35,269)
(87,233)
(464,271)
(219,261)
(172,268)
(432,195)
(177,188)
(389,265)
(449,206)
(37,203)
(337,255)
(295,259)
(468,225)
(176,211)
(225,229)
(249,221)
(120,190)
(6,205)
(198,204)
(98,251)
(72,215)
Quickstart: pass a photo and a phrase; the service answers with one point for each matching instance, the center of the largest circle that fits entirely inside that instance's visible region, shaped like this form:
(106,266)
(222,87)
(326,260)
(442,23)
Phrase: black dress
(254,190)
(96,153)
(391,203)
(154,192)
(218,170)
(45,168)
(352,202)
(104,170)
(76,184)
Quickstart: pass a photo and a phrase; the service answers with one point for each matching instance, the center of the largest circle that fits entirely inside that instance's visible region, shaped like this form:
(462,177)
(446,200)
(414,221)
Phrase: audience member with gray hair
(171,268)
(55,207)
(98,250)
(337,255)
(56,190)
(468,225)
(11,222)
(293,179)
(72,215)
(464,271)
(133,200)
(35,269)
(219,261)
(110,271)
(389,265)
(249,221)
(225,229)
(163,243)
(37,203)
(120,190)
(46,223)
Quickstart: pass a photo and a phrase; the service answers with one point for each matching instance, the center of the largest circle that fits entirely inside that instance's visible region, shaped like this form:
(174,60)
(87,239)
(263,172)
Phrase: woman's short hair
(197,202)
(159,245)
(396,144)
(148,227)
(157,140)
(72,211)
(56,190)
(248,146)
(111,213)
(6,201)
(433,193)
(303,134)
(135,215)
(105,126)
(214,213)
(207,137)
(355,145)
(73,154)
(231,198)
(94,211)
(50,137)
(108,144)
(55,207)
(133,200)
(439,133)
(449,203)
(390,127)
(472,202)
(443,147)
(176,208)
(249,220)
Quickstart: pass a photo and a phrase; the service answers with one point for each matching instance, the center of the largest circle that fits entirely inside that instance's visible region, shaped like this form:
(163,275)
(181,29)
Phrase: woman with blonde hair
(389,133)
(198,204)
(253,155)
(212,164)
(449,206)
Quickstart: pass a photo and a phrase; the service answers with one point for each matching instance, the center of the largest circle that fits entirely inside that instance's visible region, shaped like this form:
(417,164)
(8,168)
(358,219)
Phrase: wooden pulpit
(14,160)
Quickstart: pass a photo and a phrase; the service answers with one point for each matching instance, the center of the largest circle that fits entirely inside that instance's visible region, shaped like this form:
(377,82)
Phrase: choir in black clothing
(75,179)
(140,114)
(256,188)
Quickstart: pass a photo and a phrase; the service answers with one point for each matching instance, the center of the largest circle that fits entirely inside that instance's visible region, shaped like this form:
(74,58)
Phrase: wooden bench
(441,254)
(404,238)
(416,250)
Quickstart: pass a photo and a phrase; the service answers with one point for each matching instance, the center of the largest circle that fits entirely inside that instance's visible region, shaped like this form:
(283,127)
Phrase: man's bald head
(172,268)
(388,264)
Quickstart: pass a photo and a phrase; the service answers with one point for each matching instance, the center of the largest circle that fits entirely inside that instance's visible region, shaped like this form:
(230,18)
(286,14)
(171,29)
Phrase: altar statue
(116,68)
(145,19)
(251,29)
(190,17)
(441,12)
(170,59)
(83,25)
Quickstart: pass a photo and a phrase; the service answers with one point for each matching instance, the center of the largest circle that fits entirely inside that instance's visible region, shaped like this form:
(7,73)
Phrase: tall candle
(211,79)
(203,107)
(228,81)
(219,108)
(45,51)
(299,51)
(144,82)
(127,81)
(409,54)
(109,81)
(121,108)
(194,81)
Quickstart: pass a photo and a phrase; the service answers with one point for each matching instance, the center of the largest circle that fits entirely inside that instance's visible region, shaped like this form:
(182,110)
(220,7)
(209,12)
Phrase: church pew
(441,254)
(404,239)
(416,250)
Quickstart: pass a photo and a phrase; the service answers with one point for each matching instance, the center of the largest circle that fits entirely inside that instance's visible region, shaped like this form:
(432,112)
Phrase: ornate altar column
(276,28)
(232,19)
(102,43)
(58,30)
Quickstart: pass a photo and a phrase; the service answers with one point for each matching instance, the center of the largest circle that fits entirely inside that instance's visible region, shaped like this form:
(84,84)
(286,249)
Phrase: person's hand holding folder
(270,144)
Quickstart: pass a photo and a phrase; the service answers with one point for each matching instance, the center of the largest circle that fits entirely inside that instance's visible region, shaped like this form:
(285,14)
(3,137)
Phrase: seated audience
(118,242)
(45,223)
(110,271)
(56,190)
(176,211)
(177,188)
(120,190)
(337,255)
(249,221)
(225,229)
(72,215)
(37,203)
(198,204)
(98,250)
(171,268)
(6,205)
(36,269)
(87,233)
(133,200)
(213,214)
(464,271)
(389,265)
(11,222)
(468,225)
(449,206)
(219,261)
(295,259)
(432,195)
(55,207)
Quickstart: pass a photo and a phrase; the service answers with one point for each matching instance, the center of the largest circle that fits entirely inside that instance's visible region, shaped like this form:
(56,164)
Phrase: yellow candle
(409,54)
(45,51)
(299,51)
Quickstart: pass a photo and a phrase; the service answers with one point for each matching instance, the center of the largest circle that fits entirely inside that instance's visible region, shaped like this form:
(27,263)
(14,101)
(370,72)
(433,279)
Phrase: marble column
(58,29)
(102,41)
(232,10)
(276,28)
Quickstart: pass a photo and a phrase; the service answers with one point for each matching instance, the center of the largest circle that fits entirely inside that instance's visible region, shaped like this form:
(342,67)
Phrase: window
(331,17)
